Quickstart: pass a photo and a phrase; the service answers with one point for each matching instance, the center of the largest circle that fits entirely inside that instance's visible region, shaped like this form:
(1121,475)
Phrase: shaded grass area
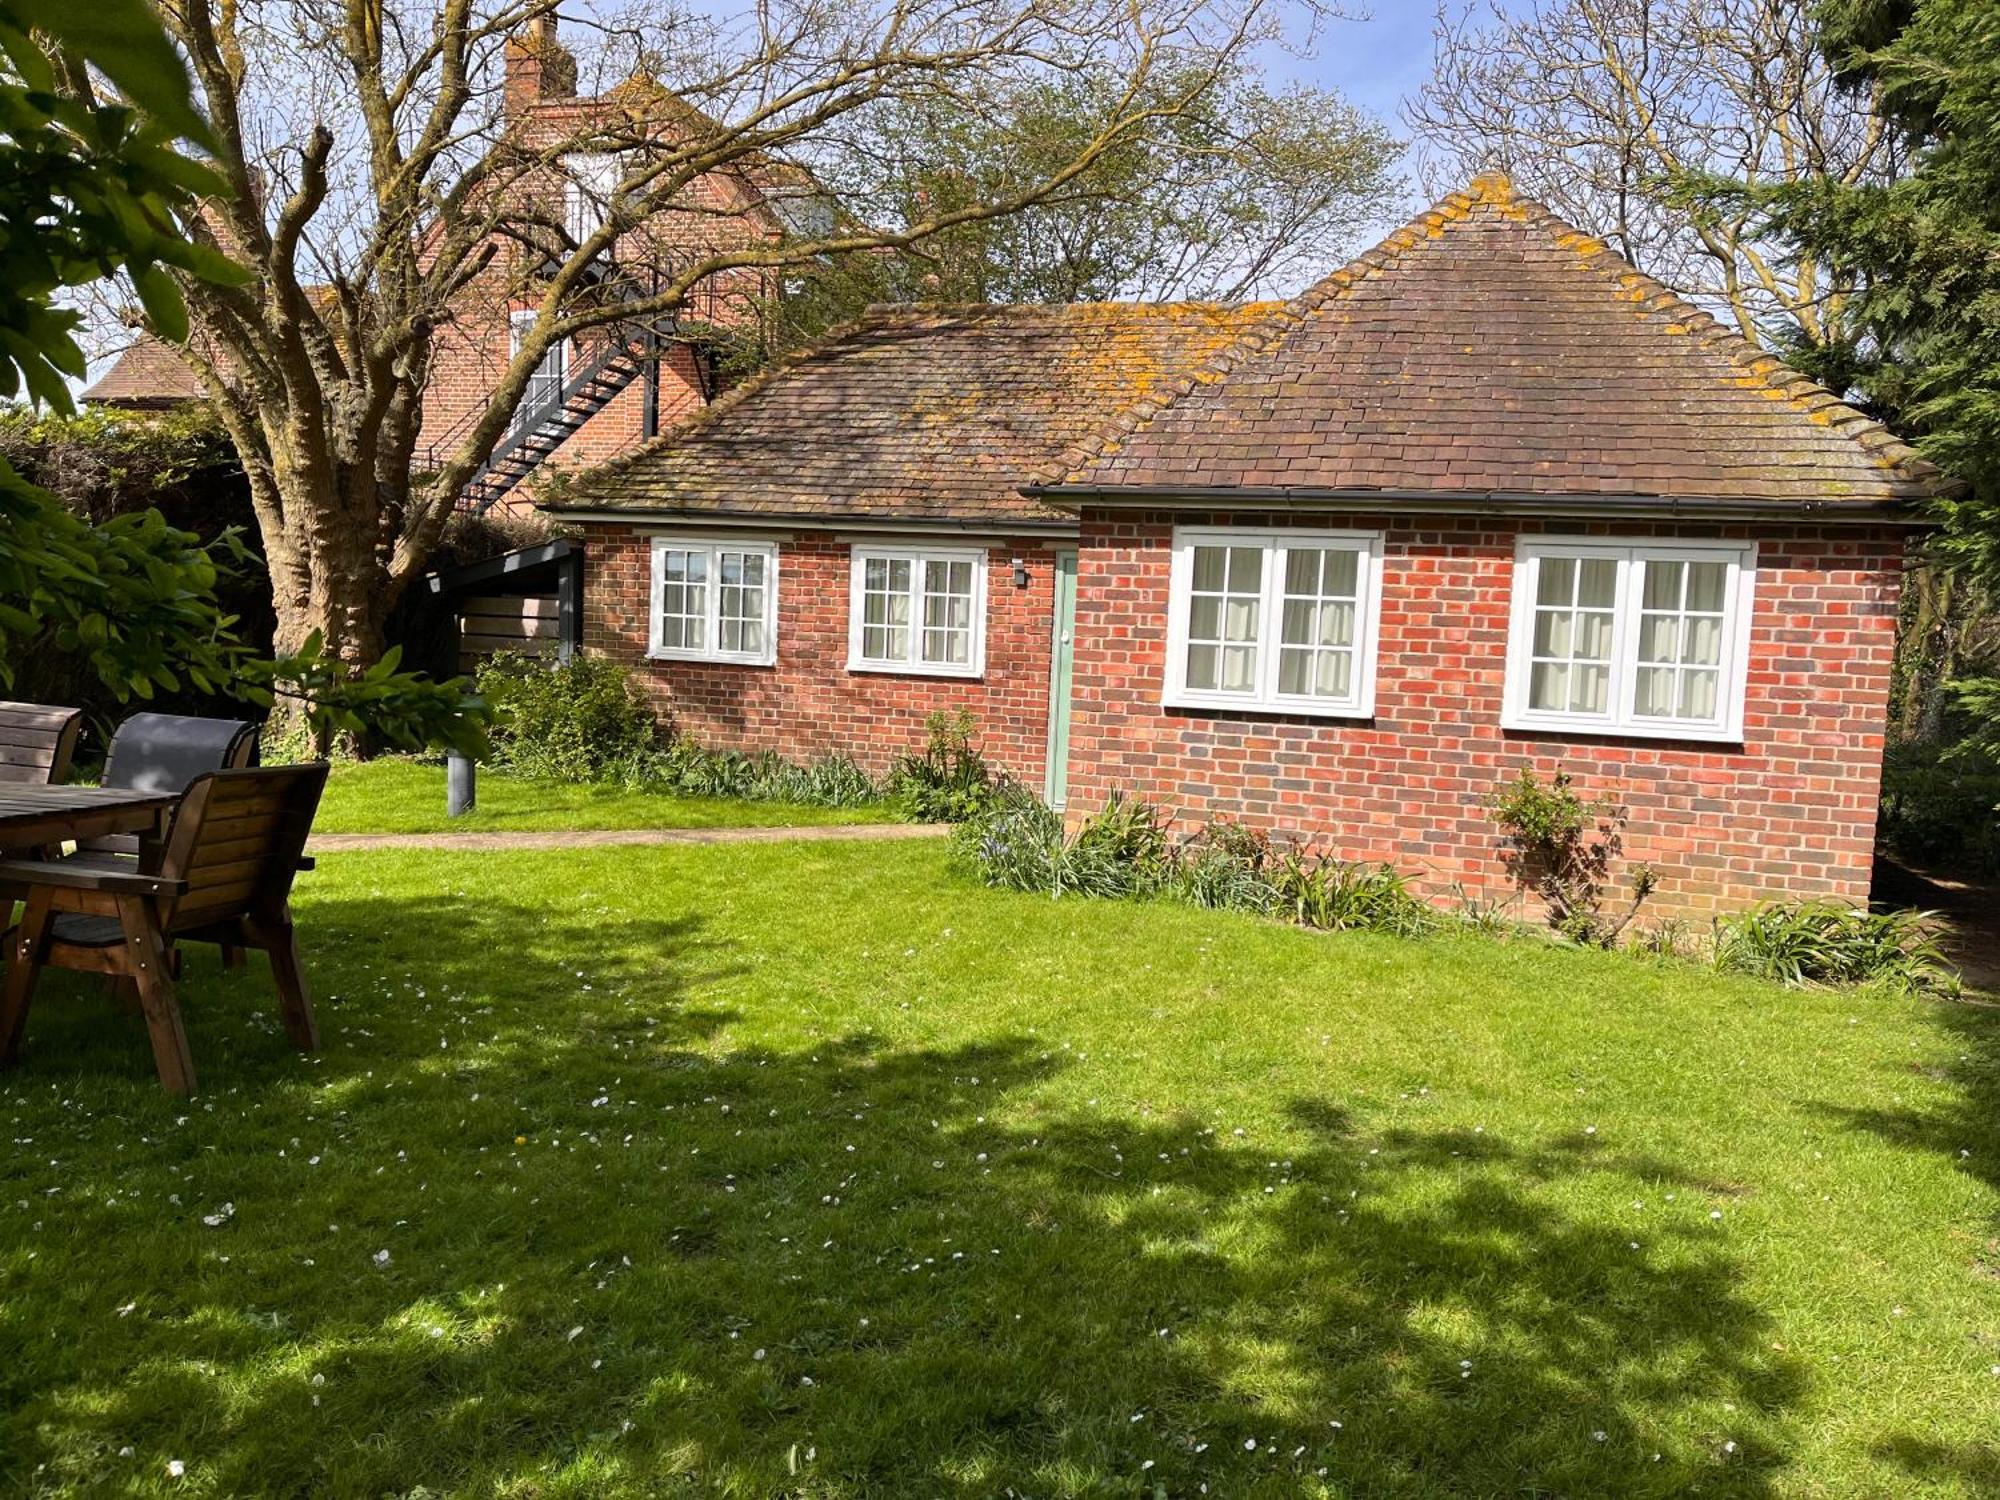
(813,1170)
(397,795)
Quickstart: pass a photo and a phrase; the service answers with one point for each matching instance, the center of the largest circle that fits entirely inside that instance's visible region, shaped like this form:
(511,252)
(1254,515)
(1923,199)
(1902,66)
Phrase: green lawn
(405,796)
(814,1170)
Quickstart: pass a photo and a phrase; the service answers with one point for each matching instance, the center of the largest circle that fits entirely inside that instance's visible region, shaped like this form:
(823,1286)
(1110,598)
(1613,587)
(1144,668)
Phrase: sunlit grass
(816,1170)
(398,795)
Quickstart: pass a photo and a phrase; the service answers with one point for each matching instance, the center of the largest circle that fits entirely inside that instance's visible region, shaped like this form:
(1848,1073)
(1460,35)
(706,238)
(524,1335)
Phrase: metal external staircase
(539,431)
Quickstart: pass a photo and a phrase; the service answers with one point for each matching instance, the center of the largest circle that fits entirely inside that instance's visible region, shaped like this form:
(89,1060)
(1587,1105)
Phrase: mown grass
(398,795)
(816,1170)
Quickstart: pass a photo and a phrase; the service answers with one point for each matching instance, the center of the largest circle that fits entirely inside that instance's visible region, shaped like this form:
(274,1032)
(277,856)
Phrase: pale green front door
(1062,671)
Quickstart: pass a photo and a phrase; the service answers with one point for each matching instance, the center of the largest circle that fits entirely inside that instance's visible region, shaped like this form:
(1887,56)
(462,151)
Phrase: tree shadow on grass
(512,1234)
(1965,1129)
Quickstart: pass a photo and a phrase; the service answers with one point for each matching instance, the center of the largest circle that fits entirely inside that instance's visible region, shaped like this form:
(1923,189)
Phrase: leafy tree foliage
(1921,340)
(88,190)
(1248,190)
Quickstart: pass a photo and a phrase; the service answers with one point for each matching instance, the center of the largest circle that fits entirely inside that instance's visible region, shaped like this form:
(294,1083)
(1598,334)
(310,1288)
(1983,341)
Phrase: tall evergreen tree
(1921,340)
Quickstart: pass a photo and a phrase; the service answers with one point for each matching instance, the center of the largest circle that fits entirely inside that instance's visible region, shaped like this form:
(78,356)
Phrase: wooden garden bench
(223,876)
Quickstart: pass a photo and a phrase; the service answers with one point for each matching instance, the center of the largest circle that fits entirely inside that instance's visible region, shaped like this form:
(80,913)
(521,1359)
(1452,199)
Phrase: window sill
(711,658)
(916,669)
(1226,703)
(1609,729)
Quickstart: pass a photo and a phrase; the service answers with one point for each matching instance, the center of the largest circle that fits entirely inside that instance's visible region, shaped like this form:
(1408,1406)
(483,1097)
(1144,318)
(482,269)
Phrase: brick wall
(1789,814)
(808,704)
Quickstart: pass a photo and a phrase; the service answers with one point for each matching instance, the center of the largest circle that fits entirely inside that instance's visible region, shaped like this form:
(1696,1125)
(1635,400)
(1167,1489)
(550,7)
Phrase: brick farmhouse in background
(1485,499)
(542,115)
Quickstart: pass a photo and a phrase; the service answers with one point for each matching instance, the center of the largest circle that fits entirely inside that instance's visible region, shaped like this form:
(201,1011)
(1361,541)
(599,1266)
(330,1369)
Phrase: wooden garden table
(37,817)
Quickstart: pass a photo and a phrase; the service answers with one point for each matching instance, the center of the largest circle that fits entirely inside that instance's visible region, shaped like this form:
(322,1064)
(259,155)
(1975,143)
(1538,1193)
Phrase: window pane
(1239,668)
(1552,632)
(1655,697)
(731,569)
(1239,619)
(1343,573)
(1246,570)
(1597,583)
(1300,622)
(1205,619)
(1548,686)
(1658,637)
(875,574)
(1336,624)
(729,635)
(1204,667)
(1295,670)
(1593,637)
(1302,568)
(1590,689)
(1698,694)
(1555,580)
(670,632)
(753,637)
(1663,585)
(1703,642)
(1705,585)
(1336,674)
(1210,564)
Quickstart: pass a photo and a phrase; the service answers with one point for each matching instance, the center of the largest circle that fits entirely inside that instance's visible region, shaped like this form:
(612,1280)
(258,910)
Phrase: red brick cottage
(1485,498)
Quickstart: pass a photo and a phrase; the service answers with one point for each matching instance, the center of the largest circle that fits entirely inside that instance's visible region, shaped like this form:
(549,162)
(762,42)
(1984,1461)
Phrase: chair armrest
(20,872)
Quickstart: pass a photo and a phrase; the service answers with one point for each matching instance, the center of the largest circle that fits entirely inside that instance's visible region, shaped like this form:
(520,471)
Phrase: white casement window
(715,601)
(919,610)
(1649,638)
(545,385)
(1283,621)
(590,185)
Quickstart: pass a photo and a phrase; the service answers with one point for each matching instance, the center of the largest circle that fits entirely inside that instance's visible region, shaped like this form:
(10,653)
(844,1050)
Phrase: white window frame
(591,180)
(1621,720)
(1265,698)
(712,633)
(858,559)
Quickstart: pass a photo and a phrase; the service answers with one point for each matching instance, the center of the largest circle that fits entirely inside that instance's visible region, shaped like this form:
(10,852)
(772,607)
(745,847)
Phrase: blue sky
(1375,62)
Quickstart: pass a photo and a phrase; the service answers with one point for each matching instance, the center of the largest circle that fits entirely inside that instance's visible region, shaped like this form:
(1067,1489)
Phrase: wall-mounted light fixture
(1021,579)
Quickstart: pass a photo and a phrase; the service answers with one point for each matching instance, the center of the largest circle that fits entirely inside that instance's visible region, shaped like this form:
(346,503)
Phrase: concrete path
(333,843)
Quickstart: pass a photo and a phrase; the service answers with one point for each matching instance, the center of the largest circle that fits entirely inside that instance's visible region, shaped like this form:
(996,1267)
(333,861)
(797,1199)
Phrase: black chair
(165,753)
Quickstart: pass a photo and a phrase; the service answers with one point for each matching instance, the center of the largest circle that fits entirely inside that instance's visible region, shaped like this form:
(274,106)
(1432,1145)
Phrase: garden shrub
(574,721)
(1816,943)
(949,781)
(684,767)
(1563,848)
(1341,897)
(1125,851)
(1942,809)
(1226,867)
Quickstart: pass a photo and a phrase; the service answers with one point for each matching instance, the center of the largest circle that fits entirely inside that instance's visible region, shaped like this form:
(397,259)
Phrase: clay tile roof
(920,413)
(147,374)
(1489,347)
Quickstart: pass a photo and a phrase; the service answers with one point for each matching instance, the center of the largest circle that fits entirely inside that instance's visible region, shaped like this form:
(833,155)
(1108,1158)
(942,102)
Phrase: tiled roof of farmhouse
(147,373)
(1489,347)
(936,413)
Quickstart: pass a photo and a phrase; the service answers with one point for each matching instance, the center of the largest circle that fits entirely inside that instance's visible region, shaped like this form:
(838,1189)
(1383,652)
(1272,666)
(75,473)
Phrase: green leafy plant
(1563,847)
(1942,808)
(949,781)
(572,721)
(1225,866)
(1341,897)
(1817,943)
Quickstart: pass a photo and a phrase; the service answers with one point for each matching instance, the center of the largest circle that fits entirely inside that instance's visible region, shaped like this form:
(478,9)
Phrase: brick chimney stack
(537,67)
